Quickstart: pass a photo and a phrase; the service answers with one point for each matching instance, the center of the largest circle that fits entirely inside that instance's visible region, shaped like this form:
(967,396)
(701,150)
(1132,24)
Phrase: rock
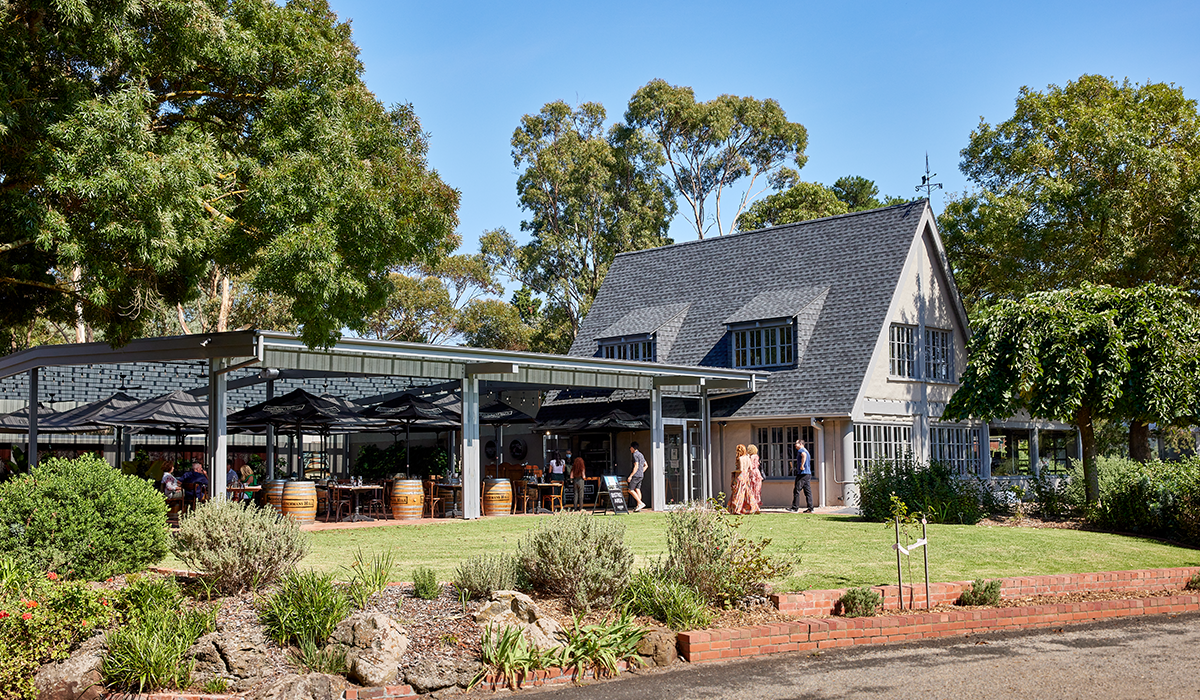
(515,609)
(659,644)
(314,686)
(209,663)
(75,678)
(430,675)
(229,656)
(374,645)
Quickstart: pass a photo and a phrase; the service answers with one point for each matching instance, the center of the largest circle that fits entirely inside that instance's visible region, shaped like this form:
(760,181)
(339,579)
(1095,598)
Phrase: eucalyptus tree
(1079,355)
(150,144)
(590,193)
(711,145)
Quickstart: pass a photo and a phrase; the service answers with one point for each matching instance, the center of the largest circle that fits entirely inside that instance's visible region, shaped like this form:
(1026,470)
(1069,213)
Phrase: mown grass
(834,551)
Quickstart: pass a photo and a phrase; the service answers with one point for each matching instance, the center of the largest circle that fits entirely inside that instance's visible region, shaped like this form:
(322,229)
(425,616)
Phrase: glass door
(695,451)
(676,476)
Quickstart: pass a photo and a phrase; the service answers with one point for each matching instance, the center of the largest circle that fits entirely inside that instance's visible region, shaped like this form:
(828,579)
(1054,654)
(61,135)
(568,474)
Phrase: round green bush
(82,519)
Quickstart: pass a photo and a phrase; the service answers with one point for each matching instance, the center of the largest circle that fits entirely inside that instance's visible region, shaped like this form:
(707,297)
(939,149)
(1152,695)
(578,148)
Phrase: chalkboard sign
(589,491)
(612,487)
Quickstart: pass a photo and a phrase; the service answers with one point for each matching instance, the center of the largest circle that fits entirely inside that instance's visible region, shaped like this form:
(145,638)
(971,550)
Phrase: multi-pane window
(880,442)
(956,447)
(902,356)
(1054,451)
(642,350)
(764,347)
(939,355)
(777,451)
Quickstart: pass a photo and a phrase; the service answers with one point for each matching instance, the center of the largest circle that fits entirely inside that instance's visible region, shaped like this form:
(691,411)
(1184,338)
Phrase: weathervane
(927,182)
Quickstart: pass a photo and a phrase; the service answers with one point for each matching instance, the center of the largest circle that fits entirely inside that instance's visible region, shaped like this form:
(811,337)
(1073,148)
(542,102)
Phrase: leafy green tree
(796,200)
(494,323)
(857,192)
(147,142)
(711,145)
(1096,181)
(424,306)
(590,194)
(1085,354)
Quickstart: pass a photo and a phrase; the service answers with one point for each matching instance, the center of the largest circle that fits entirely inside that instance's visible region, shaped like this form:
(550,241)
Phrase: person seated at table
(231,477)
(558,468)
(169,484)
(247,475)
(195,483)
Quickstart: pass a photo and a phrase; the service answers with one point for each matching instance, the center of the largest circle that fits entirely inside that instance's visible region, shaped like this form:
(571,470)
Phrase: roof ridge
(806,222)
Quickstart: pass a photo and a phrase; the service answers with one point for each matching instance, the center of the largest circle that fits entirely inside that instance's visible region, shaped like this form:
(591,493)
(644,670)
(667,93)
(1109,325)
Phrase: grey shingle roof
(857,257)
(644,320)
(777,303)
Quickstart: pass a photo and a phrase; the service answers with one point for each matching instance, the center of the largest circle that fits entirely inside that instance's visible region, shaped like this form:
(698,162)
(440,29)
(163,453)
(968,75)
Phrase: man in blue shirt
(803,477)
(195,483)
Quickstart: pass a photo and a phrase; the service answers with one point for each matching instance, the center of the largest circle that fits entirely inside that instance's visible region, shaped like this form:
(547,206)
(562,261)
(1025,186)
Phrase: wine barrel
(274,492)
(300,501)
(408,499)
(497,497)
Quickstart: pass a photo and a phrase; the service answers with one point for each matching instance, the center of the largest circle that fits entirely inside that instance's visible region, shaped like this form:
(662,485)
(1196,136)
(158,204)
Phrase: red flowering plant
(42,618)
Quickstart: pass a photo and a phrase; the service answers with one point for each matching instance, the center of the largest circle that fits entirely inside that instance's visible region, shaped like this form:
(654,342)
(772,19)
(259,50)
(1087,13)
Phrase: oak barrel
(497,497)
(300,501)
(408,499)
(274,491)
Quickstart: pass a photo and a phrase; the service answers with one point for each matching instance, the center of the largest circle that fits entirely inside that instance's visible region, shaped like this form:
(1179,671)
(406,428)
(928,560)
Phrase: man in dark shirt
(803,477)
(195,483)
(635,477)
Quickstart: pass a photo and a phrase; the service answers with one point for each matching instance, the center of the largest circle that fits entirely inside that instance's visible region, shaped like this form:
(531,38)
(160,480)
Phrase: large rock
(313,686)
(659,644)
(227,655)
(374,645)
(515,609)
(431,675)
(75,678)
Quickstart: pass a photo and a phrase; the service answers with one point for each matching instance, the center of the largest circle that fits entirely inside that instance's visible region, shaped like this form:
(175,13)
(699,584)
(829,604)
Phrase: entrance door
(695,451)
(677,475)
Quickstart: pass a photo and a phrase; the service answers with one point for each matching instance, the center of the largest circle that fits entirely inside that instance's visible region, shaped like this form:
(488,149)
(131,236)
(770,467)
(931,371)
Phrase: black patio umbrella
(86,417)
(300,410)
(617,420)
(18,420)
(410,410)
(179,411)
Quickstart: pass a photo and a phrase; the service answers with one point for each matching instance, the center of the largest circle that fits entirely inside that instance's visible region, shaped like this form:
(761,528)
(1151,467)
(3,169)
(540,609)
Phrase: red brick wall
(822,602)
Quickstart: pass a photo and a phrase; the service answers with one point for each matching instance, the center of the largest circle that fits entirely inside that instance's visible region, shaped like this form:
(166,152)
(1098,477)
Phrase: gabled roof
(644,320)
(851,263)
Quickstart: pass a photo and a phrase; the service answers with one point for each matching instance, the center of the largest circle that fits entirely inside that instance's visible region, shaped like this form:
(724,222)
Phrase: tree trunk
(183,326)
(1087,435)
(223,314)
(80,329)
(1139,441)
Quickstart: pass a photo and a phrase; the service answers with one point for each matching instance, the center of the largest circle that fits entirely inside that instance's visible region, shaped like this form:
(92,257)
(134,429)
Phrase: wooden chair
(555,495)
(433,503)
(523,495)
(376,506)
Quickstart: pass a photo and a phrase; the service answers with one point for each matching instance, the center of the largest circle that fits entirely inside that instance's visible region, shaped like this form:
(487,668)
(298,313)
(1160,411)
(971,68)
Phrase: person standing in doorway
(558,469)
(803,479)
(578,474)
(635,477)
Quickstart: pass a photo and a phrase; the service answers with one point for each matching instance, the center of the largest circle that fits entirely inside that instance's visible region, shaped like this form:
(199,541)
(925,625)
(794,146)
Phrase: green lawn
(835,551)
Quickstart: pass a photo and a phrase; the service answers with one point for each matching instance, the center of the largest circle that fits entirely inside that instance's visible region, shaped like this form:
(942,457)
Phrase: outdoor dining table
(547,488)
(454,512)
(231,490)
(355,491)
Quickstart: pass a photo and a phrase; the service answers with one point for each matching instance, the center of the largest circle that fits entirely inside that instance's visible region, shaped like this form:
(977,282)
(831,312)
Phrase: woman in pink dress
(756,477)
(742,502)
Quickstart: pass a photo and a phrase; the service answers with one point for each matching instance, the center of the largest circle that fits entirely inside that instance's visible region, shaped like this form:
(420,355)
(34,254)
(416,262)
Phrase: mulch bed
(438,629)
(1037,523)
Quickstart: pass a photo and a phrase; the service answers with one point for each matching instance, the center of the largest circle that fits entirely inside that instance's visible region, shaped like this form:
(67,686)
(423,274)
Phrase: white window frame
(641,349)
(776,454)
(902,351)
(939,355)
(876,441)
(764,346)
(957,446)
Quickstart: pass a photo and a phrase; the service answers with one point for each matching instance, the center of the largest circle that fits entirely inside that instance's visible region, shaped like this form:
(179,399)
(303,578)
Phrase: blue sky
(876,84)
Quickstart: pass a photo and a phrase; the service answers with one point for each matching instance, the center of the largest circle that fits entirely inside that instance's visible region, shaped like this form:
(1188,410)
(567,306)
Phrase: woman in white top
(558,468)
(170,485)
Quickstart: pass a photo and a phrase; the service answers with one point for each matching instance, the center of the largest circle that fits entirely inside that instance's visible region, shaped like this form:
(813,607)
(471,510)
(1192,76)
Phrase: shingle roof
(857,257)
(777,303)
(644,320)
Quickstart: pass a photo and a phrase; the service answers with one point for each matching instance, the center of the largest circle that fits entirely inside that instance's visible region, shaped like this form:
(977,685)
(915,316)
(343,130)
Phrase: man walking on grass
(803,477)
(635,477)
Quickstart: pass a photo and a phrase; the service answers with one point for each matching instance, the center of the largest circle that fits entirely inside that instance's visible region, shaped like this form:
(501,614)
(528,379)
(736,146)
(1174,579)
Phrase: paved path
(1156,657)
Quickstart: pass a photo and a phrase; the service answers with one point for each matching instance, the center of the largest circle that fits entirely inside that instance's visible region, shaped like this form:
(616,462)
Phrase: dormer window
(769,344)
(639,348)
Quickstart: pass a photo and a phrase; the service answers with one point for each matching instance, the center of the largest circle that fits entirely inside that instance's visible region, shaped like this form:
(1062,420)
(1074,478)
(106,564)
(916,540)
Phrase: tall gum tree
(1078,355)
(149,142)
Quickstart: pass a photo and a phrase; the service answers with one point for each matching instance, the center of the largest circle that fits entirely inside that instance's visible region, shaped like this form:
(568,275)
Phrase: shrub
(579,557)
(602,646)
(981,593)
(149,652)
(932,489)
(306,606)
(425,583)
(859,602)
(1153,498)
(239,546)
(1193,584)
(479,576)
(330,660)
(1051,496)
(83,519)
(61,615)
(705,551)
(368,577)
(506,652)
(675,604)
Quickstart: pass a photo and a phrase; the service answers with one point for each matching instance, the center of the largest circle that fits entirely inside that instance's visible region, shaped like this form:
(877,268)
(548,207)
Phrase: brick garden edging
(547,676)
(811,634)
